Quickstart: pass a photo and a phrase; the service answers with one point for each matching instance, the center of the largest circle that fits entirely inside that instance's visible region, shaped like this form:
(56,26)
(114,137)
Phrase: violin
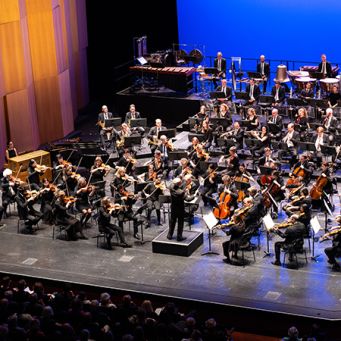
(103,166)
(69,199)
(65,164)
(41,168)
(115,207)
(75,175)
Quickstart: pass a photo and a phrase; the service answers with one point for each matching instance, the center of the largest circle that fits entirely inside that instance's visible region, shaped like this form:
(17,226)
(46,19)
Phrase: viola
(223,210)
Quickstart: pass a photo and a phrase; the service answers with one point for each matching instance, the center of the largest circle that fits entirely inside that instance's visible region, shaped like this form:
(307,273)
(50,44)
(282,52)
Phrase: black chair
(296,247)
(102,237)
(246,245)
(23,218)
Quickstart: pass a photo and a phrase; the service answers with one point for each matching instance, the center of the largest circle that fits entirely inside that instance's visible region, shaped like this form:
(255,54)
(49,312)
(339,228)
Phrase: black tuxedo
(227,91)
(256,91)
(332,125)
(328,69)
(223,66)
(266,73)
(177,210)
(152,131)
(281,94)
(128,116)
(101,116)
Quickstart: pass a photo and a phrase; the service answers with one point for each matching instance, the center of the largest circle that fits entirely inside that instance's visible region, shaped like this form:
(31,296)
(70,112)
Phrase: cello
(223,210)
(317,189)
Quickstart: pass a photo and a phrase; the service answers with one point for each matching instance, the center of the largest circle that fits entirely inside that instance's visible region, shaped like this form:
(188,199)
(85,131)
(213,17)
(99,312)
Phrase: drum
(302,81)
(328,83)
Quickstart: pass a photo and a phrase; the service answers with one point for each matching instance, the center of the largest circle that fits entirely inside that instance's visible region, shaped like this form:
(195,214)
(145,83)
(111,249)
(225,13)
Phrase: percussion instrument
(302,81)
(281,74)
(328,83)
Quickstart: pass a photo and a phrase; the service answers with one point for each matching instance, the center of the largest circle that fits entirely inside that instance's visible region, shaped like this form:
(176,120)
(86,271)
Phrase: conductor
(177,209)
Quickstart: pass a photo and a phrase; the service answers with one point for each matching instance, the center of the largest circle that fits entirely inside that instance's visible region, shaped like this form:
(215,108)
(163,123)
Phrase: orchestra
(273,163)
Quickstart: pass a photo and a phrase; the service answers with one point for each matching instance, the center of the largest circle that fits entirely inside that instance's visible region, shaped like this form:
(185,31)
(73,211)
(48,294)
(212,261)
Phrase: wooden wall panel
(60,39)
(19,118)
(3,132)
(12,57)
(9,11)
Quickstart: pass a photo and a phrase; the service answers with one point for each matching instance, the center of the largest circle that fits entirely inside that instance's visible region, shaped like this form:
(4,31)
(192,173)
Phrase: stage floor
(312,290)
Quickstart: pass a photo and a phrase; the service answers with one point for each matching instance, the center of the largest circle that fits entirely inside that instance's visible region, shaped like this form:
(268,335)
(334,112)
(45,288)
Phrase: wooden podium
(41,156)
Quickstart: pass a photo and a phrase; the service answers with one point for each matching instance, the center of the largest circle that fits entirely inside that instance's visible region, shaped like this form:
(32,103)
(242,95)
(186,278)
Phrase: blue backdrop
(284,30)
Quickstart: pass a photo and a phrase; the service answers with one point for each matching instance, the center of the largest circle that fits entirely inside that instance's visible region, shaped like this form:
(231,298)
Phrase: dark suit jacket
(152,131)
(279,122)
(223,64)
(328,67)
(128,116)
(325,139)
(281,93)
(101,116)
(266,69)
(256,91)
(228,92)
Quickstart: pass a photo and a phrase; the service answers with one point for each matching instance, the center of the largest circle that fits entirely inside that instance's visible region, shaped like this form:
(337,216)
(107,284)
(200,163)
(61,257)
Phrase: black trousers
(331,253)
(176,217)
(150,206)
(278,247)
(110,230)
(130,216)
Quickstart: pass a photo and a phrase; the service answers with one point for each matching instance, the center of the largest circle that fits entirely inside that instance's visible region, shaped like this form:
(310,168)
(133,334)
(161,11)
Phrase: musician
(84,192)
(70,180)
(1,214)
(152,192)
(302,164)
(258,202)
(220,65)
(335,249)
(236,134)
(231,162)
(98,171)
(206,130)
(159,165)
(276,120)
(304,216)
(225,89)
(150,175)
(330,122)
(320,139)
(290,139)
(266,160)
(224,111)
(121,135)
(210,185)
(253,119)
(325,67)
(243,178)
(326,174)
(193,147)
(33,175)
(264,69)
(165,147)
(11,151)
(153,134)
(198,161)
(253,91)
(278,92)
(296,230)
(276,189)
(132,114)
(307,92)
(183,169)
(127,161)
(120,181)
(334,97)
(62,217)
(178,194)
(105,226)
(302,122)
(105,114)
(262,140)
(228,186)
(191,186)
(9,188)
(47,201)
(294,205)
(201,115)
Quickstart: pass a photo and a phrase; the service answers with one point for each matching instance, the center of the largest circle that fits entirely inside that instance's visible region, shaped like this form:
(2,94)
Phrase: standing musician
(127,161)
(278,92)
(231,162)
(335,249)
(84,192)
(295,231)
(153,134)
(253,91)
(330,122)
(264,69)
(98,171)
(48,197)
(152,192)
(210,185)
(62,217)
(105,212)
(178,194)
(334,97)
(220,65)
(104,115)
(183,169)
(325,67)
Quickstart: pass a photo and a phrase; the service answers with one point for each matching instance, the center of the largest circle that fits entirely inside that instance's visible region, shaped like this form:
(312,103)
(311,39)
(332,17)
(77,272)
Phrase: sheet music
(268,222)
(315,225)
(210,220)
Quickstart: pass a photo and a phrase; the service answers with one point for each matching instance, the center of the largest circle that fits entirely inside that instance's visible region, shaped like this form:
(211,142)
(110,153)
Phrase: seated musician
(243,179)
(237,228)
(325,67)
(278,92)
(253,119)
(59,169)
(333,251)
(262,140)
(266,159)
(152,193)
(307,92)
(290,139)
(201,115)
(70,180)
(9,187)
(236,134)
(302,122)
(220,65)
(224,112)
(63,217)
(25,208)
(34,173)
(120,181)
(153,134)
(225,89)
(191,188)
(206,130)
(198,159)
(84,192)
(148,176)
(165,147)
(276,120)
(253,91)
(302,168)
(132,114)
(231,162)
(228,186)
(258,202)
(334,97)
(276,189)
(120,135)
(264,69)
(183,169)
(323,184)
(330,122)
(48,197)
(11,151)
(193,147)
(295,230)
(127,161)
(297,201)
(159,165)
(210,185)
(104,131)
(105,213)
(98,171)
(320,139)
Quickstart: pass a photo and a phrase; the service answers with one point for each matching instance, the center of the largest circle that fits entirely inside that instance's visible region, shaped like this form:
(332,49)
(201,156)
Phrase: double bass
(223,210)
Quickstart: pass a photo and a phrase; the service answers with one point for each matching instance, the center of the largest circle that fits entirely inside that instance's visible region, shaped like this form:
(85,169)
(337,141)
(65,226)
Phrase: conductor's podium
(185,248)
(19,164)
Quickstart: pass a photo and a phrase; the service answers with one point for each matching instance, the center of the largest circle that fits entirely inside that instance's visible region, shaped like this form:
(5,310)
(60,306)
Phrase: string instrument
(64,164)
(300,171)
(103,166)
(170,145)
(273,189)
(282,225)
(331,233)
(115,207)
(69,199)
(293,202)
(153,141)
(75,175)
(244,179)
(223,210)
(120,142)
(239,213)
(101,124)
(317,189)
(41,168)
(33,194)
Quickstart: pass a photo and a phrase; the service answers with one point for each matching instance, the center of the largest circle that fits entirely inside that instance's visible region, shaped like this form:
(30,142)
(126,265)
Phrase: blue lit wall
(280,29)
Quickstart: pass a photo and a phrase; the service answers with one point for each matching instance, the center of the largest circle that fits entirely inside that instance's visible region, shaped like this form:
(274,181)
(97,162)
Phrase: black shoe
(159,223)
(147,227)
(82,236)
(169,236)
(125,244)
(180,239)
(276,262)
(109,247)
(137,236)
(227,260)
(336,267)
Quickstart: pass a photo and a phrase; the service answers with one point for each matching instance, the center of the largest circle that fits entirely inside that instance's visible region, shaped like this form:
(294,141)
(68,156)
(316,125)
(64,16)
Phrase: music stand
(269,224)
(316,74)
(250,142)
(138,122)
(265,100)
(169,133)
(274,128)
(165,199)
(242,186)
(315,228)
(130,141)
(200,137)
(211,221)
(211,70)
(141,169)
(177,155)
(242,95)
(221,121)
(296,102)
(307,146)
(192,122)
(245,123)
(265,170)
(254,74)
(328,150)
(112,122)
(217,94)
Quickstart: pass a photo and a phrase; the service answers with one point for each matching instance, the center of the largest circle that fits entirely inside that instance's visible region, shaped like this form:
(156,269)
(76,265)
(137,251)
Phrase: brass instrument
(335,231)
